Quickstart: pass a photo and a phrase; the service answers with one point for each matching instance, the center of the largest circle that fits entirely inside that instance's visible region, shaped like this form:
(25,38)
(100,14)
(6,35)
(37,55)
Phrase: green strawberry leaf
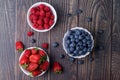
(20,50)
(36,49)
(58,72)
(43,59)
(30,74)
(24,66)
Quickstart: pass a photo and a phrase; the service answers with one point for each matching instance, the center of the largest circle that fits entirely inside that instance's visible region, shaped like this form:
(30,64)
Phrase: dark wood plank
(64,23)
(115,66)
(100,11)
(7,30)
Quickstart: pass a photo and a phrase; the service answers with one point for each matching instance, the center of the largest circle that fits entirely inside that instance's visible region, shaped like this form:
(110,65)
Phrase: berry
(24,60)
(45,45)
(44,66)
(68,14)
(52,17)
(79,11)
(41,6)
(33,41)
(40,22)
(57,68)
(42,53)
(48,14)
(89,19)
(46,8)
(46,26)
(36,72)
(32,67)
(35,58)
(19,46)
(27,53)
(34,51)
(40,27)
(42,13)
(30,33)
(46,20)
(62,56)
(72,59)
(55,44)
(51,22)
(80,62)
(100,31)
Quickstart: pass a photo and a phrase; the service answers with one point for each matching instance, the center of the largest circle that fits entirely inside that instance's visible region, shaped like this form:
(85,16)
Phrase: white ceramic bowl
(81,56)
(53,11)
(27,72)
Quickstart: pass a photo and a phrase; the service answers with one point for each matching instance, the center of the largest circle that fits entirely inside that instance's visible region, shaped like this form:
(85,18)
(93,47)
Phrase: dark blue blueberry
(77,40)
(76,36)
(55,44)
(68,41)
(80,52)
(81,47)
(71,36)
(83,35)
(79,11)
(80,43)
(100,31)
(80,37)
(86,33)
(33,41)
(70,32)
(62,56)
(89,49)
(84,44)
(85,50)
(72,45)
(91,59)
(80,62)
(72,59)
(75,52)
(66,45)
(77,31)
(77,48)
(89,45)
(89,42)
(73,40)
(84,40)
(67,38)
(68,14)
(89,19)
(88,37)
(72,49)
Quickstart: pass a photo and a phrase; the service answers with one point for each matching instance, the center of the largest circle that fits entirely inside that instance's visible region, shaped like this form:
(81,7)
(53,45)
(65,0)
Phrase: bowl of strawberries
(34,61)
(41,17)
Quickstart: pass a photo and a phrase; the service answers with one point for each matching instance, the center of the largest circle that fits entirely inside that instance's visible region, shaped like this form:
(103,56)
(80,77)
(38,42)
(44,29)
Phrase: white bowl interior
(27,72)
(35,5)
(81,56)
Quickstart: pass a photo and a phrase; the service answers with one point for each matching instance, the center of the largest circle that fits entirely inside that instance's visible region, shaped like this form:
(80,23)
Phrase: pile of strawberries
(41,17)
(35,61)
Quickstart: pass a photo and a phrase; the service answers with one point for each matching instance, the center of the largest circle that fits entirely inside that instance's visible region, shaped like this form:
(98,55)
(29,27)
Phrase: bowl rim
(53,11)
(81,56)
(27,72)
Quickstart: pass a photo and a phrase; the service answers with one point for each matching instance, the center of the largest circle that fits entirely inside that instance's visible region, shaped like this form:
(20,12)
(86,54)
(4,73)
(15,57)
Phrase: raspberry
(52,17)
(34,17)
(41,6)
(51,22)
(45,45)
(48,14)
(46,8)
(33,10)
(37,13)
(34,21)
(42,13)
(46,26)
(46,20)
(35,25)
(40,22)
(30,33)
(40,28)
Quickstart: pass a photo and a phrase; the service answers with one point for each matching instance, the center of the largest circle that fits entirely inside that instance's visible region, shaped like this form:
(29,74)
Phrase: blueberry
(76,36)
(66,45)
(68,41)
(68,14)
(72,45)
(77,48)
(89,45)
(89,42)
(71,49)
(85,50)
(67,38)
(62,56)
(80,52)
(81,47)
(84,40)
(80,43)
(79,11)
(91,59)
(72,40)
(75,52)
(80,62)
(86,33)
(88,37)
(89,49)
(33,41)
(77,40)
(80,37)
(84,44)
(70,32)
(100,31)
(72,59)
(71,36)
(55,44)
(89,19)
(77,31)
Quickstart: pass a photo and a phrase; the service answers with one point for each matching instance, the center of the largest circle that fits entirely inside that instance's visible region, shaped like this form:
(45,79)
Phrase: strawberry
(19,46)
(46,8)
(51,22)
(42,53)
(24,60)
(30,33)
(34,58)
(36,72)
(46,20)
(41,6)
(44,66)
(32,67)
(57,68)
(27,53)
(45,45)
(34,51)
(46,26)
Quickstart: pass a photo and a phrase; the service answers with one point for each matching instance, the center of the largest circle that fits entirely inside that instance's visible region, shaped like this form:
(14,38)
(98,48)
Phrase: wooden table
(105,16)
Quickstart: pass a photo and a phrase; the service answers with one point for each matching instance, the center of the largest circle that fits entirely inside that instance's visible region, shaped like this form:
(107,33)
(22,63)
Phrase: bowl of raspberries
(78,42)
(34,61)
(41,17)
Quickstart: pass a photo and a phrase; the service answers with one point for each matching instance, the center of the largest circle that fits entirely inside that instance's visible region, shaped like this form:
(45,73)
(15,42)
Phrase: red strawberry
(46,8)
(41,6)
(44,66)
(40,22)
(34,51)
(24,60)
(36,72)
(46,26)
(51,22)
(32,67)
(27,53)
(42,53)
(45,45)
(30,33)
(46,20)
(34,58)
(19,46)
(42,13)
(57,68)
(52,17)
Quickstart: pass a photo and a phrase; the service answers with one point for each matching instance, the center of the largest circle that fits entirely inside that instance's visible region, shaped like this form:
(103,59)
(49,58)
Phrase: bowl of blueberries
(78,42)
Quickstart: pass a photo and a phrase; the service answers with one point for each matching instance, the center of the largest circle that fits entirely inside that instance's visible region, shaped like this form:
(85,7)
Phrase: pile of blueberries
(78,42)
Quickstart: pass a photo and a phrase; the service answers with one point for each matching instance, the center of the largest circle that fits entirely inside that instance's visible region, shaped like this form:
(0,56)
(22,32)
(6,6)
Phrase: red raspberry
(52,17)
(30,33)
(46,8)
(46,20)
(35,25)
(46,26)
(32,10)
(42,13)
(40,22)
(34,21)
(45,45)
(40,28)
(51,22)
(37,13)
(48,14)
(41,6)
(34,16)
